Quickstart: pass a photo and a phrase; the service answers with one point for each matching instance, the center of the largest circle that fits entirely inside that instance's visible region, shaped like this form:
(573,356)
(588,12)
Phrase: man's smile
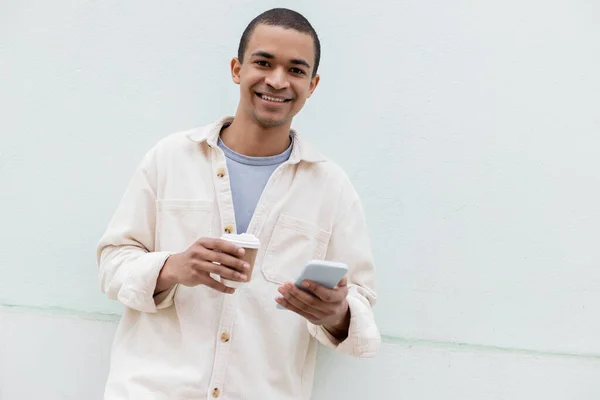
(272,99)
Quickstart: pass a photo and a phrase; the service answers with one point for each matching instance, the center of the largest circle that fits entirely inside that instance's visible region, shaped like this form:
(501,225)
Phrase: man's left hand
(318,304)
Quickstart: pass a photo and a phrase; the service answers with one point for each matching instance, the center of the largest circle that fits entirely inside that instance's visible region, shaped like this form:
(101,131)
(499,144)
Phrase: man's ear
(314,82)
(236,67)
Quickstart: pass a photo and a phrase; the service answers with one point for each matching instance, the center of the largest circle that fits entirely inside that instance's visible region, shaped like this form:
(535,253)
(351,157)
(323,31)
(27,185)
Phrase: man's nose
(277,79)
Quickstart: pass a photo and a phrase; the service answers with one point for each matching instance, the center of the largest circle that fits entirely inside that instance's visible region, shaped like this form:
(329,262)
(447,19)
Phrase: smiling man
(184,333)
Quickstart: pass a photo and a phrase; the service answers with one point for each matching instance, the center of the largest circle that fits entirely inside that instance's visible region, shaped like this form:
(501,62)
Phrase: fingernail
(243,277)
(306,284)
(246,266)
(280,290)
(241,251)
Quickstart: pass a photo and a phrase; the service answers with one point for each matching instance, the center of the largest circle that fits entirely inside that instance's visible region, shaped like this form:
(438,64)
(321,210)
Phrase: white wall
(470,129)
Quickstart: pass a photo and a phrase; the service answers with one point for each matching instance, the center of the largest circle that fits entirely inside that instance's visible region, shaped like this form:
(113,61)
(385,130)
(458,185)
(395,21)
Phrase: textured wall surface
(471,131)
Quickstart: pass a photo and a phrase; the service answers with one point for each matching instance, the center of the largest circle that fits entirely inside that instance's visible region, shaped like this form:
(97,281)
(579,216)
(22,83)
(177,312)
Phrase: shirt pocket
(293,243)
(180,222)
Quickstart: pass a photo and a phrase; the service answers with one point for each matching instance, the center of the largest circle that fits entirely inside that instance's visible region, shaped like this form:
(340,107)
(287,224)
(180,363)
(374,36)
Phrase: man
(184,334)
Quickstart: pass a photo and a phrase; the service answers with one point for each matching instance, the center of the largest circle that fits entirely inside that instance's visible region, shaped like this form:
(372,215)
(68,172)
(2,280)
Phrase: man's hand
(193,266)
(319,305)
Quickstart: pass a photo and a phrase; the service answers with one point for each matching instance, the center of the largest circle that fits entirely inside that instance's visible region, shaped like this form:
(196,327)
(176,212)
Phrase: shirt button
(216,393)
(225,337)
(228,229)
(221,172)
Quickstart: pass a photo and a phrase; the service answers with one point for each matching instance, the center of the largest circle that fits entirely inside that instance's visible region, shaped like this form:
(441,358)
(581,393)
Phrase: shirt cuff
(165,298)
(363,338)
(138,288)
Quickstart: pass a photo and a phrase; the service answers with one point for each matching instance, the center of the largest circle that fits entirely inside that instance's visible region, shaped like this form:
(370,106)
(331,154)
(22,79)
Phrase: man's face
(276,76)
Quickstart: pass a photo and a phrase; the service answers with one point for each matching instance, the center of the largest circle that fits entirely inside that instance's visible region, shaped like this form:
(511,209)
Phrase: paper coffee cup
(251,244)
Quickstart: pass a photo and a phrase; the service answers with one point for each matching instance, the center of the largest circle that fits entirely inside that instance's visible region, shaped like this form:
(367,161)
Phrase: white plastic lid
(243,240)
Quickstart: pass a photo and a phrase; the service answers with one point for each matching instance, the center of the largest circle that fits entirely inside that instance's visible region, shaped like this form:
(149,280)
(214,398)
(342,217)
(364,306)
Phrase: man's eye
(297,71)
(262,63)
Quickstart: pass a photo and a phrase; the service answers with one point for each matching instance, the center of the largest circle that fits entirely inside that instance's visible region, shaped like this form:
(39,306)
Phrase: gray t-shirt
(248,177)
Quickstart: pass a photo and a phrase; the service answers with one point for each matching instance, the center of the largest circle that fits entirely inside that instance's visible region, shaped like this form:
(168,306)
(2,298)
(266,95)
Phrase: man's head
(276,67)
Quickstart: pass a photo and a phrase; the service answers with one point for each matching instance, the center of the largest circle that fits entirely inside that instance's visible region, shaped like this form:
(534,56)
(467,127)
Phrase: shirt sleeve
(350,244)
(128,264)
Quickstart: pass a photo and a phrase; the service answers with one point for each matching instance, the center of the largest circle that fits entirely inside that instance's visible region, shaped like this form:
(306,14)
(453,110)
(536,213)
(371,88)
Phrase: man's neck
(251,139)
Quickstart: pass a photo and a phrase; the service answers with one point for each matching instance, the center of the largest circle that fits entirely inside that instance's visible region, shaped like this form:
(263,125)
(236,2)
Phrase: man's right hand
(194,266)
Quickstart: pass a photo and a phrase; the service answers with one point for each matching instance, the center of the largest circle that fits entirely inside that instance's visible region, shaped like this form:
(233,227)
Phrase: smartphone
(324,273)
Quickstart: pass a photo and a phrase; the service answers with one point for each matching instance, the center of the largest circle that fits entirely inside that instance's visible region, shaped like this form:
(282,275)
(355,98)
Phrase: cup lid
(243,240)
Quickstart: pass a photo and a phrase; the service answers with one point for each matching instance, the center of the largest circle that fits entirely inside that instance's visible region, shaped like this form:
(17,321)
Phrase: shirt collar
(301,150)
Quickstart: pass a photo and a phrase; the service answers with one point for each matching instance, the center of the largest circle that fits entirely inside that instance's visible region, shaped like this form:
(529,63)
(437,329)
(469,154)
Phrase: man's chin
(269,122)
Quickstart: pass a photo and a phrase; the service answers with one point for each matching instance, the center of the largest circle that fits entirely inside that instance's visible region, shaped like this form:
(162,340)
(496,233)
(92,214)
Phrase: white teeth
(272,99)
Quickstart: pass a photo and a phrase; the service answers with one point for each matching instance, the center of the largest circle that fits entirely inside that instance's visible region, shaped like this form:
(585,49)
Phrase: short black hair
(284,18)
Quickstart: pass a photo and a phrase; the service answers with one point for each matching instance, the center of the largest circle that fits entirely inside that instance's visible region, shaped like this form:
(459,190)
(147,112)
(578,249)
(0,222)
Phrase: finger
(343,282)
(222,271)
(327,295)
(223,246)
(305,300)
(309,309)
(295,309)
(226,260)
(218,286)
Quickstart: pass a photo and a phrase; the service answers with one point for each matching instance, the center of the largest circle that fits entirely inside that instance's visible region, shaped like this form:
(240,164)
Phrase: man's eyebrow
(299,61)
(263,54)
